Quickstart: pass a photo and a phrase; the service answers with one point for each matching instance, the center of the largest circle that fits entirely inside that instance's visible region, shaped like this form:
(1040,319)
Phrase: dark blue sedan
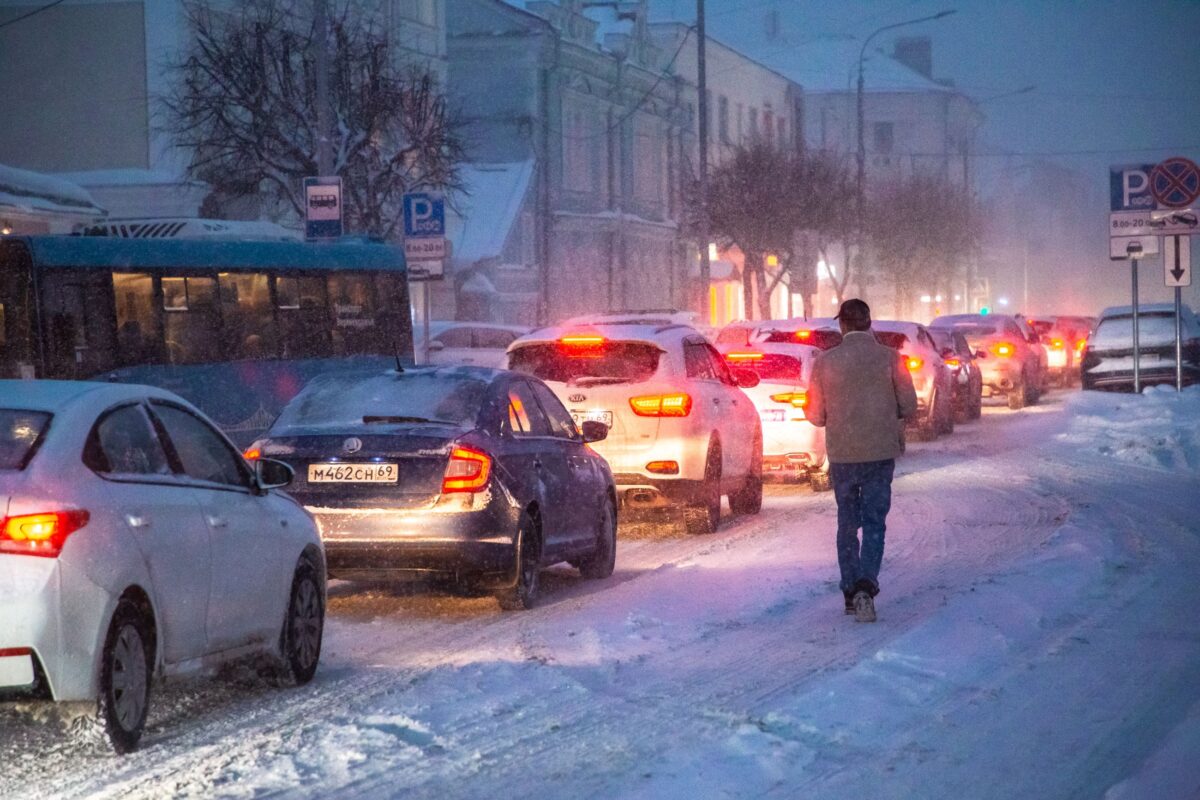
(472,474)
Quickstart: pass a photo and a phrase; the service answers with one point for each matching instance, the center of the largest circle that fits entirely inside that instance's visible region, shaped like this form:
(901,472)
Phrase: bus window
(352,298)
(303,316)
(78,322)
(138,338)
(192,323)
(247,319)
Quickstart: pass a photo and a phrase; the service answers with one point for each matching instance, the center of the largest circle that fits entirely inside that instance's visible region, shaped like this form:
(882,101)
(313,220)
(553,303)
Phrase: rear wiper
(388,419)
(597,381)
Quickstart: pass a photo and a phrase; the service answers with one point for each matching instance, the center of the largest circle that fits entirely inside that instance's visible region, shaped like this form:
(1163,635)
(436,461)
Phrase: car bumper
(30,633)
(636,492)
(791,448)
(478,543)
(1122,380)
(1000,378)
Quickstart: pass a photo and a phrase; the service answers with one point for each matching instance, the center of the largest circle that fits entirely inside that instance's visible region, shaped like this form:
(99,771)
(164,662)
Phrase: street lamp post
(861,200)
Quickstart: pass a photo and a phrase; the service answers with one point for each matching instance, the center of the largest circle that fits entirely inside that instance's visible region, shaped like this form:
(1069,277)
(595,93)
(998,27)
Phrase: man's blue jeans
(864,496)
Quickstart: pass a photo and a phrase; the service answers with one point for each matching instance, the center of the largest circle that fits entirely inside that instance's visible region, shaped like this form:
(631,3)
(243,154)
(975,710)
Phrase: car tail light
(467,471)
(794,399)
(913,363)
(663,467)
(803,335)
(40,534)
(953,362)
(1003,349)
(1079,345)
(662,405)
(743,356)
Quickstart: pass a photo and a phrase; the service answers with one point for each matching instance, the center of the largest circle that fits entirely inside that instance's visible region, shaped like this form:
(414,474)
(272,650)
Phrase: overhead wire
(29,14)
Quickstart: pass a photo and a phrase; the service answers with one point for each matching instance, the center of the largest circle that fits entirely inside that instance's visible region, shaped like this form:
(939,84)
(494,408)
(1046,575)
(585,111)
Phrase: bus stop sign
(322,208)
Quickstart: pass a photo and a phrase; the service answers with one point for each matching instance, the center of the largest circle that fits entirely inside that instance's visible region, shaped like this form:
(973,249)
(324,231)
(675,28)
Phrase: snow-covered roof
(33,192)
(123,177)
(831,65)
(487,210)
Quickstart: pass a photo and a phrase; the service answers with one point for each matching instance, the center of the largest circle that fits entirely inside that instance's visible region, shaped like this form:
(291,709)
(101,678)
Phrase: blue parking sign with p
(424,215)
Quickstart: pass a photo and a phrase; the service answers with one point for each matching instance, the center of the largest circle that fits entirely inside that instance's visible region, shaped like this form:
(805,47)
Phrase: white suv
(681,432)
(793,448)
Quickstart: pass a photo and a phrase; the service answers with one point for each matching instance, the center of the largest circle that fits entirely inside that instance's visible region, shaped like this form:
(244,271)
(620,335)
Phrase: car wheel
(1016,396)
(927,428)
(125,678)
(522,595)
(705,516)
(603,560)
(748,499)
(946,421)
(303,628)
(977,404)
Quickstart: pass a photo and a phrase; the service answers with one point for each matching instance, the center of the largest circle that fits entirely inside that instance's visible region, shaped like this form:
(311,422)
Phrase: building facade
(584,97)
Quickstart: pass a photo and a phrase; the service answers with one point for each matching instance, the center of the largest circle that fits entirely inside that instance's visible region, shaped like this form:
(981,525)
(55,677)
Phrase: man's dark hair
(856,314)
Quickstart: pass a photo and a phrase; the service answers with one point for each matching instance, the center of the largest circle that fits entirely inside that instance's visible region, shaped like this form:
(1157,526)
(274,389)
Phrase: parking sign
(424,215)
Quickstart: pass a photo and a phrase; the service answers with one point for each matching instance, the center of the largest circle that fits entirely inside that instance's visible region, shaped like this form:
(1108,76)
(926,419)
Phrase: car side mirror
(594,430)
(745,378)
(272,474)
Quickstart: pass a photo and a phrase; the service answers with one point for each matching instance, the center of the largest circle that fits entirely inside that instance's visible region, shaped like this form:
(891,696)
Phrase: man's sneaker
(849,603)
(864,607)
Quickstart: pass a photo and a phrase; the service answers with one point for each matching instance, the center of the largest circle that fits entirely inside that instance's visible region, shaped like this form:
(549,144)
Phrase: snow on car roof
(45,395)
(896,326)
(614,331)
(1143,308)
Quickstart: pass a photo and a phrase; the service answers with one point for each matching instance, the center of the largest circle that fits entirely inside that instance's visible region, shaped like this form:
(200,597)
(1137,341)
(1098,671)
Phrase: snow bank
(1159,428)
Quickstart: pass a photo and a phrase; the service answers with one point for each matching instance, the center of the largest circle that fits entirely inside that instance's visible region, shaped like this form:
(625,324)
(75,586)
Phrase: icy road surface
(1037,638)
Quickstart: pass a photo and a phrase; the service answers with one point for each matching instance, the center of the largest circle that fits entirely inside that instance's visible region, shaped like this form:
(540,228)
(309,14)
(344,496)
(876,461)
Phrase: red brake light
(1003,349)
(953,362)
(663,467)
(794,399)
(803,335)
(662,405)
(1082,343)
(582,340)
(40,534)
(1056,344)
(913,363)
(467,471)
(743,356)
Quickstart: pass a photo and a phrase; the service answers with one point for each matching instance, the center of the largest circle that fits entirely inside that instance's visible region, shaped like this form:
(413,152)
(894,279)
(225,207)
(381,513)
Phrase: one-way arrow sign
(1177,260)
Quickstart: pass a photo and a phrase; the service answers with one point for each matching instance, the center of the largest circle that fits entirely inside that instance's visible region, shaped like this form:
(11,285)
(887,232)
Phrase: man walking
(861,393)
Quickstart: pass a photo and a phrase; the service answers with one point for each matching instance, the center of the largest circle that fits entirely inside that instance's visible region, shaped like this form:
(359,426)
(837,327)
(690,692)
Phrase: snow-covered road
(1036,638)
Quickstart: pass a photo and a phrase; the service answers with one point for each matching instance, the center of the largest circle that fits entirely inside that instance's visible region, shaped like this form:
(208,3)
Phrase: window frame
(168,442)
(172,479)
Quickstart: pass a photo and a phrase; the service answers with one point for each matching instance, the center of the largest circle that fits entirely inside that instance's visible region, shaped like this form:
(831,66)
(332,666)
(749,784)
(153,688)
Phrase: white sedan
(136,543)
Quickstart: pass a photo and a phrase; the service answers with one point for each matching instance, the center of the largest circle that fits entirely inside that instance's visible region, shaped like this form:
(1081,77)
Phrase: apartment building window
(649,173)
(723,118)
(422,11)
(883,137)
(782,130)
(585,149)
(740,124)
(768,126)
(753,123)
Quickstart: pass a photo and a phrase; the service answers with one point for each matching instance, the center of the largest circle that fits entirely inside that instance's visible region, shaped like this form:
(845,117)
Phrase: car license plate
(353,473)
(581,417)
(772,415)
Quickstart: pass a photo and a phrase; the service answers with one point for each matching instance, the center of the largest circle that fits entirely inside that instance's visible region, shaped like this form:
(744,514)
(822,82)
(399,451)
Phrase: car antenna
(396,350)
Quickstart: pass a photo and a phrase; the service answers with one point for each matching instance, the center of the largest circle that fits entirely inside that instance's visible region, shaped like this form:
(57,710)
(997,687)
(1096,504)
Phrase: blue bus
(237,327)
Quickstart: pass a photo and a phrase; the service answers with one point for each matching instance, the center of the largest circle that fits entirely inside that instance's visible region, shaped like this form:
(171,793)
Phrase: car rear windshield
(1042,326)
(348,400)
(1116,333)
(896,341)
(610,362)
(773,367)
(735,334)
(20,434)
(822,338)
(944,339)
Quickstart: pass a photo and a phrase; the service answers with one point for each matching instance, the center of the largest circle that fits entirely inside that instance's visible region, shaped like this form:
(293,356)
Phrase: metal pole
(425,287)
(1178,334)
(702,108)
(324,151)
(1137,357)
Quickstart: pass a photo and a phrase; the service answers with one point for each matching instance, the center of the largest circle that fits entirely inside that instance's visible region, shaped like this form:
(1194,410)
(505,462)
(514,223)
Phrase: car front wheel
(304,627)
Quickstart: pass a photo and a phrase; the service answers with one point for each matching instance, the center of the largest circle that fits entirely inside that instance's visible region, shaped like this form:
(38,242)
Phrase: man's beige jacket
(861,393)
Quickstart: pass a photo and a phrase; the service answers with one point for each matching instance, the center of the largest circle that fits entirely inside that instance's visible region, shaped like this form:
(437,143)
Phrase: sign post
(425,247)
(1177,273)
(1135,255)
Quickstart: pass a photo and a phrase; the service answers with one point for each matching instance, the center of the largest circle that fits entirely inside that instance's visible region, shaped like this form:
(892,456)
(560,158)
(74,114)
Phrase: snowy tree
(772,201)
(921,228)
(245,104)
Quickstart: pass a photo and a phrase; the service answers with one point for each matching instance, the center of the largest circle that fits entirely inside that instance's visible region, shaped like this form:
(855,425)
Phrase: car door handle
(137,521)
(217,522)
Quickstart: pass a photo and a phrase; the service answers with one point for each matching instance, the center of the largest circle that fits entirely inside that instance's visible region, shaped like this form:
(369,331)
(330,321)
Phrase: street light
(862,144)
